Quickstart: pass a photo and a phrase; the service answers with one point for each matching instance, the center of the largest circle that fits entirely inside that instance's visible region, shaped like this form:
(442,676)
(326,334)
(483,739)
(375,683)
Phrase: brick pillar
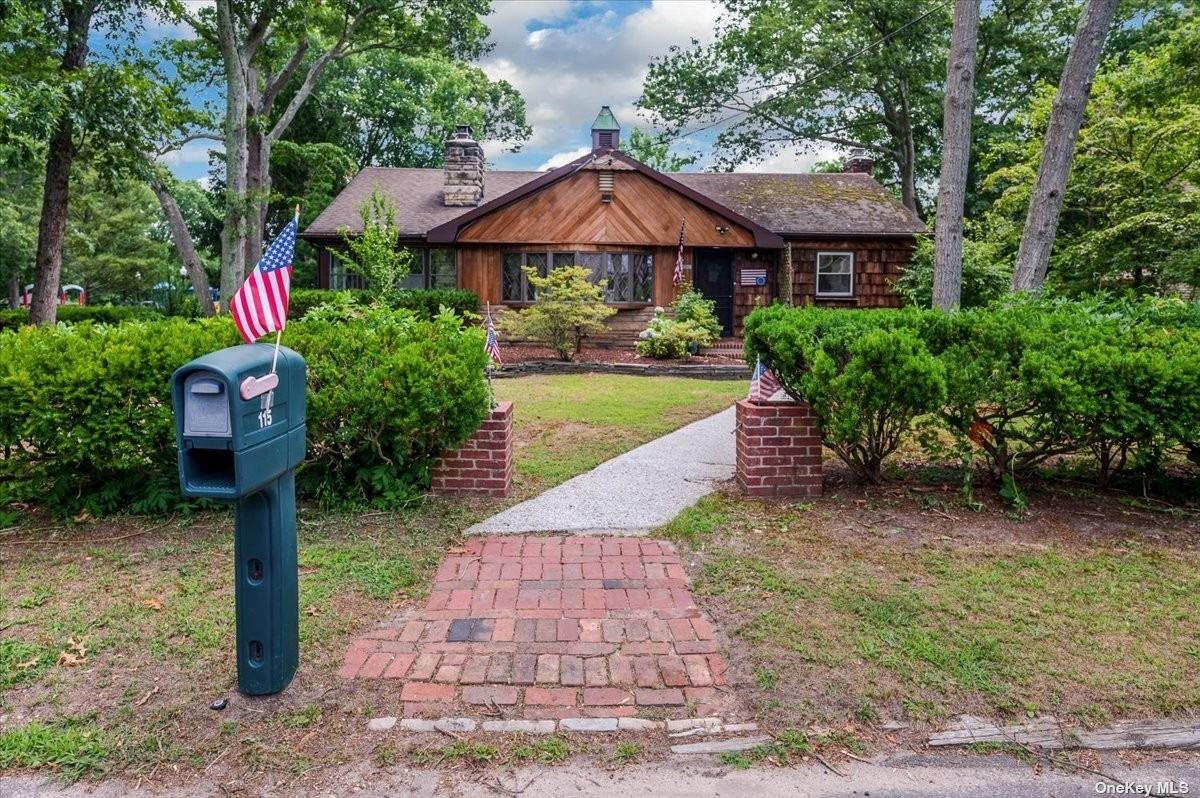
(482,466)
(778,449)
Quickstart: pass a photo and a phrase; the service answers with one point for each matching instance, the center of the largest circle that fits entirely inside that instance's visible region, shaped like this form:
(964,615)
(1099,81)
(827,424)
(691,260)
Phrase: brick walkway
(551,627)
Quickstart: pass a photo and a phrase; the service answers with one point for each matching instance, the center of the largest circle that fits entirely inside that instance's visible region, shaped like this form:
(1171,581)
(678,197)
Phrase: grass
(72,748)
(838,615)
(567,424)
(153,610)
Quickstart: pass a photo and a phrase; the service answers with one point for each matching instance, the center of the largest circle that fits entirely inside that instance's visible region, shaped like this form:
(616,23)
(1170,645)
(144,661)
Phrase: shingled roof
(787,204)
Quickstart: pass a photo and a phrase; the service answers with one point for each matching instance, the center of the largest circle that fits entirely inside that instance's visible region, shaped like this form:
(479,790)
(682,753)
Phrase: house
(846,239)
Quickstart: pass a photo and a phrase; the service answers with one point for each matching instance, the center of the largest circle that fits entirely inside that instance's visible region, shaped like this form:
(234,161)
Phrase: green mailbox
(239,427)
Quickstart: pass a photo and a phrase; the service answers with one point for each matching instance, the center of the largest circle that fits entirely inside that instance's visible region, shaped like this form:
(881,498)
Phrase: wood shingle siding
(878,263)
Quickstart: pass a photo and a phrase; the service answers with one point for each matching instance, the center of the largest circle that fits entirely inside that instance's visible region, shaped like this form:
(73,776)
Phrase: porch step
(726,347)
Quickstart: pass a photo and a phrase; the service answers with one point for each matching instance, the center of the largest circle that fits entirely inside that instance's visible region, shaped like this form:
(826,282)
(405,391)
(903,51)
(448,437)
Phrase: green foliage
(692,326)
(568,308)
(425,303)
(865,375)
(655,151)
(85,411)
(112,246)
(74,748)
(396,107)
(308,175)
(418,389)
(76,314)
(1015,383)
(985,275)
(375,253)
(692,306)
(1131,212)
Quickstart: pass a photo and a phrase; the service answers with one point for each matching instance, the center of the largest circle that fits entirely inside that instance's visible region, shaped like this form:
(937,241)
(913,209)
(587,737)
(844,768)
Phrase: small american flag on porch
(763,384)
(492,345)
(677,278)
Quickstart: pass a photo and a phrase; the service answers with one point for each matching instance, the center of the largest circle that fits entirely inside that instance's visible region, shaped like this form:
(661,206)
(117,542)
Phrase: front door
(712,274)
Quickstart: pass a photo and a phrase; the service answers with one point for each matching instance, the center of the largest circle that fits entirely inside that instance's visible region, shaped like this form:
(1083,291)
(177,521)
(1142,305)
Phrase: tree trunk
(233,230)
(1041,224)
(956,154)
(183,243)
(908,155)
(52,227)
(258,190)
(14,290)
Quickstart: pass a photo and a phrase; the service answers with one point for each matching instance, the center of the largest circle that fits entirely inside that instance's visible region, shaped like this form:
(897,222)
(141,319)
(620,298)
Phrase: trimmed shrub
(693,325)
(1025,379)
(865,375)
(86,424)
(568,308)
(74,314)
(425,303)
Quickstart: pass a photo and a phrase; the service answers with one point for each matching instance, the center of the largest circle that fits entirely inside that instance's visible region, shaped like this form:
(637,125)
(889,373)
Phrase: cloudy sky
(567,58)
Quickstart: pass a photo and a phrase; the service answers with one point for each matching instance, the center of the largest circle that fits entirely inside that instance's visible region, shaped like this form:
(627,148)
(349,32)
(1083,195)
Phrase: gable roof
(448,231)
(772,206)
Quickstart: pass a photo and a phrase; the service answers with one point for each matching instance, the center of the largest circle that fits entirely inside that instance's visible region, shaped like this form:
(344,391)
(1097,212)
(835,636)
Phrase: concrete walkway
(631,493)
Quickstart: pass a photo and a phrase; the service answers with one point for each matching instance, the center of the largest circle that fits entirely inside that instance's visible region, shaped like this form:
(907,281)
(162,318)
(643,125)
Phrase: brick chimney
(463,169)
(859,161)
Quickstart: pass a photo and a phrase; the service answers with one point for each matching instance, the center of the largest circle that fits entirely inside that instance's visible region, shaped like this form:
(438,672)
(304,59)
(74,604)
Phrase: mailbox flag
(260,306)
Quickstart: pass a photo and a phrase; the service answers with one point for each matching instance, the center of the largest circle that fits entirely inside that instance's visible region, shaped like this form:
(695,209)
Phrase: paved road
(906,776)
(632,493)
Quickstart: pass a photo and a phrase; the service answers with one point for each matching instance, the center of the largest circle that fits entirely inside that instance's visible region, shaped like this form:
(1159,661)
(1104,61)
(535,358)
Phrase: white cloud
(790,161)
(566,68)
(560,158)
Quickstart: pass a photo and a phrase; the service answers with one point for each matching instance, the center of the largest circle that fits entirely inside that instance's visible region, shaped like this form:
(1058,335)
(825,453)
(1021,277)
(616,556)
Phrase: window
(835,274)
(629,275)
(514,285)
(340,277)
(432,268)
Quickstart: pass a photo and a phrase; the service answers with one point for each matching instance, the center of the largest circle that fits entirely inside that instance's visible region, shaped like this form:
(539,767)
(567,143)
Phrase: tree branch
(276,84)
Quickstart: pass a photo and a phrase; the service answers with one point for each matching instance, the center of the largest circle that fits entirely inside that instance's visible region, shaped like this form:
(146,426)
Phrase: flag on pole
(260,306)
(763,384)
(492,346)
(677,278)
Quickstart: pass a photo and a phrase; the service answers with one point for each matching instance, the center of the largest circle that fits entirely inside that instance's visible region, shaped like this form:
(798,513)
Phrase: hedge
(425,303)
(73,314)
(86,424)
(1015,383)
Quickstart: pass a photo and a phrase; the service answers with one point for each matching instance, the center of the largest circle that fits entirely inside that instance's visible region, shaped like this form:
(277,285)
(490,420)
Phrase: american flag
(763,384)
(492,346)
(260,306)
(678,276)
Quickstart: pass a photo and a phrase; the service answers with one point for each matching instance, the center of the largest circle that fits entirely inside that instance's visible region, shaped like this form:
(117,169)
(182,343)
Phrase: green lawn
(855,607)
(567,424)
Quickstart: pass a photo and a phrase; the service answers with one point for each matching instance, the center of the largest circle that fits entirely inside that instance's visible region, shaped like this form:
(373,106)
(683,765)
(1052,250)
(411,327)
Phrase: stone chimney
(463,169)
(859,162)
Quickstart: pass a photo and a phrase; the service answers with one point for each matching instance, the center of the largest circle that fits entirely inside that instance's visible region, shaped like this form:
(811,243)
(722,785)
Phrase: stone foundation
(778,449)
(482,466)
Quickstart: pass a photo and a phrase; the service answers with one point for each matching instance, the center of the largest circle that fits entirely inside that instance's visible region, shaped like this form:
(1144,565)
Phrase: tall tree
(99,113)
(798,73)
(1033,257)
(956,153)
(262,45)
(60,154)
(389,108)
